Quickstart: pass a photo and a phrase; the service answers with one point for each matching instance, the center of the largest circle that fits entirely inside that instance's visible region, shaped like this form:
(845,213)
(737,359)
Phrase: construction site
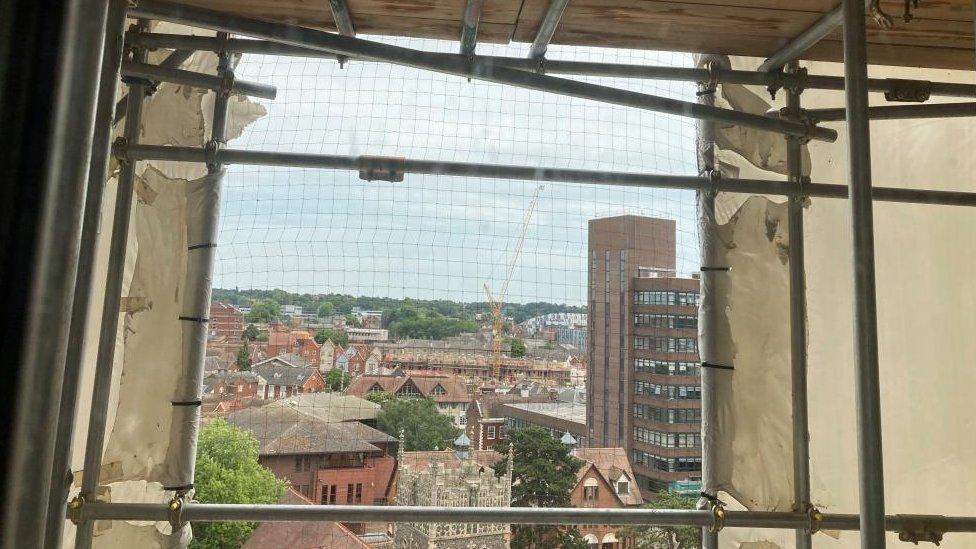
(505,210)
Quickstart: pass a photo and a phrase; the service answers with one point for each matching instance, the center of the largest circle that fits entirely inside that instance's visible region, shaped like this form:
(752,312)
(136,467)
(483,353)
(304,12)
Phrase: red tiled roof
(302,535)
(454,389)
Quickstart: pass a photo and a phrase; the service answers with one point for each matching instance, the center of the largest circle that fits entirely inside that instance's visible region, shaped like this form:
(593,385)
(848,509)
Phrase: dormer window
(438,390)
(623,487)
(376,388)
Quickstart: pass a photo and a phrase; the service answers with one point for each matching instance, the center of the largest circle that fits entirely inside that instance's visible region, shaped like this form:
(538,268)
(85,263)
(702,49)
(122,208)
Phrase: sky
(436,237)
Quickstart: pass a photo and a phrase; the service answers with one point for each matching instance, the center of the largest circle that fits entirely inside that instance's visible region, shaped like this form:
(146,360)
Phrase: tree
(380,397)
(424,427)
(334,336)
(327,308)
(667,537)
(337,380)
(251,333)
(227,471)
(516,347)
(265,310)
(243,360)
(543,475)
(353,320)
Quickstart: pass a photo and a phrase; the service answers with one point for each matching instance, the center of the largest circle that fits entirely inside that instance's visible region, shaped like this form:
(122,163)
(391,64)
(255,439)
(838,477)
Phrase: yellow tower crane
(497,325)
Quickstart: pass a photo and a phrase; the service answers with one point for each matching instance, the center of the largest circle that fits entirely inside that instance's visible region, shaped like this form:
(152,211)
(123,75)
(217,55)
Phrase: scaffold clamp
(718,517)
(920,528)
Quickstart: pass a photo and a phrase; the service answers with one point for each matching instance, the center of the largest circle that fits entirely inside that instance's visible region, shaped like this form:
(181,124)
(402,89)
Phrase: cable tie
(186,402)
(201,246)
(720,269)
(138,81)
(180,489)
(717,366)
(199,319)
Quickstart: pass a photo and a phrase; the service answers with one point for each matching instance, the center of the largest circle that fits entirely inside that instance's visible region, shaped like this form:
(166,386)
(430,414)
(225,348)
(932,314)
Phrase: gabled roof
(282,430)
(278,371)
(454,389)
(613,465)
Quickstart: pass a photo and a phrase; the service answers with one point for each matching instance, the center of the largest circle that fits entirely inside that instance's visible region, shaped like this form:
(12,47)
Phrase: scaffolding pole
(577,68)
(899,112)
(372,168)
(868,389)
(468,67)
(219,512)
(97,174)
(218,84)
(798,322)
(28,482)
(108,333)
(173,61)
(796,47)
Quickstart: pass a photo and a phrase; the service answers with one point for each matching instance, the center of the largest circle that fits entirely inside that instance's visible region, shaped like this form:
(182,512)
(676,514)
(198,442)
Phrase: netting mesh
(379,289)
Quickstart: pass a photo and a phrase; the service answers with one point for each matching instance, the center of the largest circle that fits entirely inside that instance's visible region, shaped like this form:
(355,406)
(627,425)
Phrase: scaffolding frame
(264,37)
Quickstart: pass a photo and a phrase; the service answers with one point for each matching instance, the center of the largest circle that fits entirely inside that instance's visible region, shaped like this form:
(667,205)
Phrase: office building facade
(643,378)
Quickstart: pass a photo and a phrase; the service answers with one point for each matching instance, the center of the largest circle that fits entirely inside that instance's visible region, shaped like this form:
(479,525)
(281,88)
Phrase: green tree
(543,475)
(667,537)
(380,397)
(265,310)
(353,320)
(327,308)
(227,471)
(336,337)
(243,360)
(251,333)
(424,427)
(337,380)
(516,347)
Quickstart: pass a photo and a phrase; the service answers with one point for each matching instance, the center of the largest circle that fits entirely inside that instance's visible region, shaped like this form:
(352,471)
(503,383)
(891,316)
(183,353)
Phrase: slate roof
(304,535)
(278,371)
(285,430)
(331,407)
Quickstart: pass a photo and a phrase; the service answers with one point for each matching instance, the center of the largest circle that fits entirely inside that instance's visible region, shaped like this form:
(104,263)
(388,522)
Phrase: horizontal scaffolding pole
(386,168)
(195,79)
(796,47)
(211,512)
(575,68)
(470,67)
(896,112)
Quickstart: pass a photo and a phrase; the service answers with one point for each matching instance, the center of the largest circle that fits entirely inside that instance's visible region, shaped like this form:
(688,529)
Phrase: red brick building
(282,341)
(447,391)
(605,481)
(225,320)
(284,379)
(306,535)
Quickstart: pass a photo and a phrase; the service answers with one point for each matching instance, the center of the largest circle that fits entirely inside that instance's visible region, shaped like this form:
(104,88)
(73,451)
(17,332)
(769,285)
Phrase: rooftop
(569,411)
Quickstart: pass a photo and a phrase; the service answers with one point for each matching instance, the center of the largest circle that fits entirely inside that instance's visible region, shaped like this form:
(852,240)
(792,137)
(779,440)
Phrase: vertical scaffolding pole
(111,307)
(798,321)
(202,206)
(869,449)
(97,174)
(54,263)
(710,316)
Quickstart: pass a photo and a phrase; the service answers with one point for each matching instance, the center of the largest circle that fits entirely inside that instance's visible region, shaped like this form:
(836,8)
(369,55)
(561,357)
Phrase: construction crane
(495,305)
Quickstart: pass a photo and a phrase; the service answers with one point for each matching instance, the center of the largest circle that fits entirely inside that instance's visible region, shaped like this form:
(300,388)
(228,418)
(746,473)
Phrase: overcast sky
(441,237)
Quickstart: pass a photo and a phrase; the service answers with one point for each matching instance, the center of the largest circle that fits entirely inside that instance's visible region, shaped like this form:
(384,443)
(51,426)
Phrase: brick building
(643,382)
(284,379)
(225,320)
(283,341)
(307,535)
(605,481)
(448,392)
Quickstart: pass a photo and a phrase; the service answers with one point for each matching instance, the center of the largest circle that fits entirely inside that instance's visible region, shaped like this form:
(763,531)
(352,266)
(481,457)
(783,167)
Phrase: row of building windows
(666,344)
(666,298)
(670,465)
(667,440)
(655,320)
(680,392)
(667,367)
(667,415)
(354,494)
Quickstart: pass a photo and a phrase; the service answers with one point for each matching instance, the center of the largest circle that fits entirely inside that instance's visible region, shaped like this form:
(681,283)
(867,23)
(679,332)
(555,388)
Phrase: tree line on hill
(405,318)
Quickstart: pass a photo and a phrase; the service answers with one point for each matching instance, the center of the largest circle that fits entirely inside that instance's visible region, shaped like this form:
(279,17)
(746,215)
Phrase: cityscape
(381,401)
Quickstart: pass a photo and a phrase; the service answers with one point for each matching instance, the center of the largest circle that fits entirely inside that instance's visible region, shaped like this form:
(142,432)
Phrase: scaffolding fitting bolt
(74,509)
(120,150)
(793,80)
(175,508)
(211,150)
(381,168)
(908,91)
(709,86)
(816,519)
(921,528)
(718,517)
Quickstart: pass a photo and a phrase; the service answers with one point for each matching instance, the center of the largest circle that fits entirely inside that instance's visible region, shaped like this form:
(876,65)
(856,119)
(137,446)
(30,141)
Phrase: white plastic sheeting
(925,258)
(152,356)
